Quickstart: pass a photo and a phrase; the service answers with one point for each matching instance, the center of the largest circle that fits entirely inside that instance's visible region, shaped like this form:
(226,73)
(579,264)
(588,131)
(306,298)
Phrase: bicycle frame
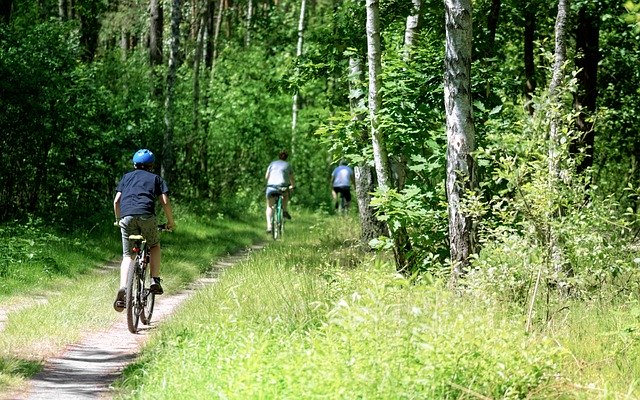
(277,217)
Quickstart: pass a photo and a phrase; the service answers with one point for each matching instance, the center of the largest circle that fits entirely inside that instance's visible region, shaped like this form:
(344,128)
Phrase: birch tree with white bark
(460,131)
(370,226)
(296,96)
(169,112)
(554,138)
(401,243)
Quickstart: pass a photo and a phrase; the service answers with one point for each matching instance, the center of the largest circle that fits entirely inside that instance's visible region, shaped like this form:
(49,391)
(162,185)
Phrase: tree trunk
(402,246)
(247,36)
(196,76)
(492,27)
(62,10)
(296,96)
(216,36)
(529,64)
(167,145)
(412,27)
(370,226)
(380,155)
(460,131)
(156,21)
(89,29)
(555,255)
(587,43)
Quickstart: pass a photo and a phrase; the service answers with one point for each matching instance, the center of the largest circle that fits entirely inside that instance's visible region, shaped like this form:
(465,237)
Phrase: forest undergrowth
(313,316)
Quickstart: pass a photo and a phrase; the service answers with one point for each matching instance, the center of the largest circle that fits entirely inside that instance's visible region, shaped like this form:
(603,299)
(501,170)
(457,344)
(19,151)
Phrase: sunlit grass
(297,321)
(604,343)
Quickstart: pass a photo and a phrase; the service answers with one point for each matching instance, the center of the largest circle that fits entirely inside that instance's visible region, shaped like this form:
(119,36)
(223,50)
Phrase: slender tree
(217,23)
(296,96)
(555,252)
(460,131)
(529,15)
(370,226)
(247,34)
(412,28)
(380,154)
(492,26)
(156,22)
(167,145)
(62,9)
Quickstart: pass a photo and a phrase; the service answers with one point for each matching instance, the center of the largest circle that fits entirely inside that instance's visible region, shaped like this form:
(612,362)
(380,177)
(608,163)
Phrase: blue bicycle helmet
(143,157)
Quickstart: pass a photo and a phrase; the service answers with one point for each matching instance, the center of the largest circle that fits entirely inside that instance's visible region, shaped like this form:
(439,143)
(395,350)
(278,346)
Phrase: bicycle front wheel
(149,302)
(277,226)
(133,296)
(148,299)
(274,221)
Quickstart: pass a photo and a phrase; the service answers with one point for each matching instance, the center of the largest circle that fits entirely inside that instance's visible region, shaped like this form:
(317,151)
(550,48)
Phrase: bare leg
(155,261)
(269,212)
(124,270)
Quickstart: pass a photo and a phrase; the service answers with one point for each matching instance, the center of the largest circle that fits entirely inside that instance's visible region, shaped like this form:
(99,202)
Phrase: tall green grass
(309,317)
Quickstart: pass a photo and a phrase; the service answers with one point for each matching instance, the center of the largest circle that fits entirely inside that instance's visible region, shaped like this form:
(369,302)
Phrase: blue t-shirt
(279,173)
(342,176)
(139,190)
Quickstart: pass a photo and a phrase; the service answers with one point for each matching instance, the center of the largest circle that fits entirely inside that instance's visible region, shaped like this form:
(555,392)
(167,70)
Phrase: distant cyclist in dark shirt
(341,180)
(134,207)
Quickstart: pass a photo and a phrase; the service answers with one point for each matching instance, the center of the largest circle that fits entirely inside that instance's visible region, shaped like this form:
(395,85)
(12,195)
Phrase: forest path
(87,369)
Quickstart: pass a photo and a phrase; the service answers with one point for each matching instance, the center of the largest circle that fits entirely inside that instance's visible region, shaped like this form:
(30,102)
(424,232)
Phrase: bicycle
(277,216)
(139,300)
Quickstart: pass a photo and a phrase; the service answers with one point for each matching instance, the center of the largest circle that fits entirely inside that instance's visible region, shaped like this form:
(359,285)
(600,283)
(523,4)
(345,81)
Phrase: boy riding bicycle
(134,208)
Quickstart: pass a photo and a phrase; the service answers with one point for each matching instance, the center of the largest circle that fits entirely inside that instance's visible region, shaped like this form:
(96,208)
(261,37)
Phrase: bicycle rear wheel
(133,296)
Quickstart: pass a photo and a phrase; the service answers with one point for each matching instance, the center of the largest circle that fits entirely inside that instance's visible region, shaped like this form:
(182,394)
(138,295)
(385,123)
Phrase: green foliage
(424,217)
(632,16)
(32,255)
(527,202)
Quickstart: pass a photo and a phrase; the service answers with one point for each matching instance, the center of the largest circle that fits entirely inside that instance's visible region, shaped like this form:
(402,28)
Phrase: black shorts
(346,192)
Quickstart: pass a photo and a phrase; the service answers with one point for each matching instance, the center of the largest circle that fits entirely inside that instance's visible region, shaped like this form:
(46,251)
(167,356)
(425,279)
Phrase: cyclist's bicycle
(277,216)
(139,299)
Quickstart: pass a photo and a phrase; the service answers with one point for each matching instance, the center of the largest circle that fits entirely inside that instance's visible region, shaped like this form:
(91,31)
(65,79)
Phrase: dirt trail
(87,369)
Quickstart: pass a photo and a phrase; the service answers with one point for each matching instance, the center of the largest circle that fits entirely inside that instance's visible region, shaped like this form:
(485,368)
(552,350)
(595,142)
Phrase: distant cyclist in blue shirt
(341,179)
(279,174)
(134,207)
